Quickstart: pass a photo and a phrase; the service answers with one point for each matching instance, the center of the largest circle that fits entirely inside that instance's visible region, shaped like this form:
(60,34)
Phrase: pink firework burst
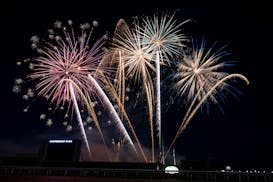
(68,60)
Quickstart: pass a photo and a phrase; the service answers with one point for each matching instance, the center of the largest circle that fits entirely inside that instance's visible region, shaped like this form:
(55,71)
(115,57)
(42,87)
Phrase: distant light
(60,141)
(171,170)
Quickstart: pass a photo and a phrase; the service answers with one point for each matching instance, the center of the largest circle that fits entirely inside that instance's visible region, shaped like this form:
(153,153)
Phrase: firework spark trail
(113,92)
(88,102)
(137,58)
(121,81)
(193,102)
(149,97)
(79,119)
(121,93)
(96,121)
(112,109)
(186,120)
(164,35)
(158,98)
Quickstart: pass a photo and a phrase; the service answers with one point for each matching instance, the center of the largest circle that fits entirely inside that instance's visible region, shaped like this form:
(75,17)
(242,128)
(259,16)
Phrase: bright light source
(60,141)
(171,170)
(228,168)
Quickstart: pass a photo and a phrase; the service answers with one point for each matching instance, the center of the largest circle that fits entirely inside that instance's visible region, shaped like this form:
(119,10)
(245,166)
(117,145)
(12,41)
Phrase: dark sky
(242,135)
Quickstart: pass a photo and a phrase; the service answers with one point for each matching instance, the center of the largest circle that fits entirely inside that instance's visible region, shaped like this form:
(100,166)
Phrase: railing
(183,175)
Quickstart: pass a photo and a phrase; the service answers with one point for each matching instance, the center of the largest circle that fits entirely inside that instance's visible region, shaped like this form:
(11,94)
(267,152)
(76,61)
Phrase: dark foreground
(31,169)
(68,174)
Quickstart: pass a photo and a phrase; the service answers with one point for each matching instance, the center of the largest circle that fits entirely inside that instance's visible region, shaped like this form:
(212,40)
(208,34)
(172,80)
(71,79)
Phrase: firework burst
(198,70)
(64,61)
(136,55)
(164,34)
(200,78)
(142,48)
(62,68)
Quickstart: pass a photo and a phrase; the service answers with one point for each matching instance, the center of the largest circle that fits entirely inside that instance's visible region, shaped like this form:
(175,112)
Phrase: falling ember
(95,23)
(19,81)
(30,93)
(99,113)
(69,128)
(89,119)
(42,116)
(49,122)
(25,97)
(16,89)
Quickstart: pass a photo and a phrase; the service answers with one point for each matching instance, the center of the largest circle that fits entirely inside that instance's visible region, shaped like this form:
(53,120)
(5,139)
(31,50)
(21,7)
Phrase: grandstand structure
(52,164)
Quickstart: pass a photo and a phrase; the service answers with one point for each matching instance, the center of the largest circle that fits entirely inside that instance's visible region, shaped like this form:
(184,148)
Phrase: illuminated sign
(60,141)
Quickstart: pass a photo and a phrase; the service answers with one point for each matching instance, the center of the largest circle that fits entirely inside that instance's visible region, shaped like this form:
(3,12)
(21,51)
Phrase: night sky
(242,136)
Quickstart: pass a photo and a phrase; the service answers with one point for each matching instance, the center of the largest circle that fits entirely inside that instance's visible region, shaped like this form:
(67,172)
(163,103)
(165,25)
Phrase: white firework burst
(136,54)
(164,34)
(199,69)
